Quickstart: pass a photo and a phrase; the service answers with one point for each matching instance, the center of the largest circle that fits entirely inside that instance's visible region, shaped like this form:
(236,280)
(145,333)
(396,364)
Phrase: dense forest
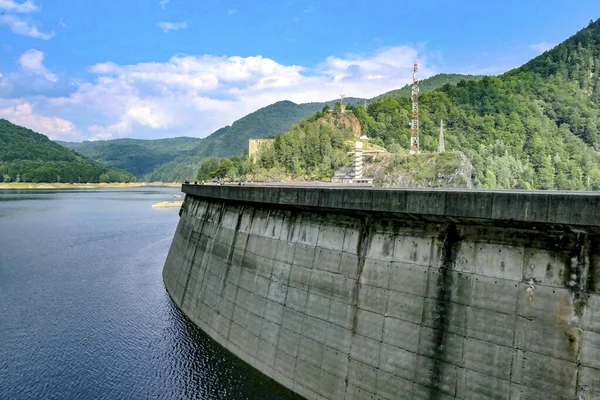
(140,157)
(431,84)
(27,156)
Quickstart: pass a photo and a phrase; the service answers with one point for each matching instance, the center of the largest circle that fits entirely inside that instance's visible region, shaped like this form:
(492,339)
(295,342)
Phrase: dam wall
(341,293)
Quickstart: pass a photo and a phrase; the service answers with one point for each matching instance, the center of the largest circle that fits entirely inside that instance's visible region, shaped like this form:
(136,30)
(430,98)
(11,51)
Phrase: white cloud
(22,113)
(231,11)
(385,63)
(542,46)
(22,27)
(12,6)
(62,24)
(195,95)
(163,3)
(32,61)
(171,26)
(101,136)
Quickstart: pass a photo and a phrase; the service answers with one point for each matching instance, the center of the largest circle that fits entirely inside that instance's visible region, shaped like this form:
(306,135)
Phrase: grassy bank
(42,185)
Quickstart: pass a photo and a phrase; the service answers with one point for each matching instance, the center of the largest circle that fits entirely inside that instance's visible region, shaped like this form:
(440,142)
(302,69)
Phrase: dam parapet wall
(345,293)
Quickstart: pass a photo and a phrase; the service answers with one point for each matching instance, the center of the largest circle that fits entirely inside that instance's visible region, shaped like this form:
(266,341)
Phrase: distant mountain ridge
(178,159)
(138,156)
(28,156)
(431,83)
(233,140)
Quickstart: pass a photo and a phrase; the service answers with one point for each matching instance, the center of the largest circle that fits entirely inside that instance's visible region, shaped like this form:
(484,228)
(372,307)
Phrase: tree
(208,169)
(225,168)
(337,108)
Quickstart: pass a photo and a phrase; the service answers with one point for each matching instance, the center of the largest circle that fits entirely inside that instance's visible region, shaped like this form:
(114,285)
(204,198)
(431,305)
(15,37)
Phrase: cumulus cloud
(542,46)
(12,6)
(62,24)
(381,65)
(32,61)
(163,3)
(22,113)
(171,26)
(21,27)
(195,95)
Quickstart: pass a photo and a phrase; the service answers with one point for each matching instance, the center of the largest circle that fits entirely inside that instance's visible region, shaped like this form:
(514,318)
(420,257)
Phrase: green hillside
(137,156)
(311,149)
(432,83)
(233,140)
(28,156)
(533,127)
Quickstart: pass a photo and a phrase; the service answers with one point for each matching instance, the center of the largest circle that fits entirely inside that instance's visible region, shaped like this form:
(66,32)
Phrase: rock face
(449,170)
(345,120)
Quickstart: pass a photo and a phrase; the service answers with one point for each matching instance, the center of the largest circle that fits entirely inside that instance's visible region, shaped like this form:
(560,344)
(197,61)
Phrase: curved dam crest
(342,293)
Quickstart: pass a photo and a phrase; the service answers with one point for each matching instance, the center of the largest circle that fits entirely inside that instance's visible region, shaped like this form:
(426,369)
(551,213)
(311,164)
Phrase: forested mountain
(28,156)
(233,140)
(533,127)
(432,83)
(137,156)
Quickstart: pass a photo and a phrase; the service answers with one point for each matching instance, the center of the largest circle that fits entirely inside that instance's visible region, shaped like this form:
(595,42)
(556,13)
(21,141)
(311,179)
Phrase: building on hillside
(354,172)
(344,175)
(254,146)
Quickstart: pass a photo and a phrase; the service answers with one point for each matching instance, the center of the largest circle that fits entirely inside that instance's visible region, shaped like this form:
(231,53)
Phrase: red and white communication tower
(414,124)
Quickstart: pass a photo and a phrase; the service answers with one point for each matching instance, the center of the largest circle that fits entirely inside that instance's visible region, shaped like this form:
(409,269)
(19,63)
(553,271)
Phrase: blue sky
(78,70)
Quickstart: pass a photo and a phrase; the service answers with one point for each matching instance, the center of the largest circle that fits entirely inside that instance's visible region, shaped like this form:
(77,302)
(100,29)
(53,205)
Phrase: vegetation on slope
(431,84)
(312,149)
(27,156)
(234,168)
(140,157)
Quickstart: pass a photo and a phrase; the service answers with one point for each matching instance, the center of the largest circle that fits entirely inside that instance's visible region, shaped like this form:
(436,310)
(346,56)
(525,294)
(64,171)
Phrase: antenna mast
(414,125)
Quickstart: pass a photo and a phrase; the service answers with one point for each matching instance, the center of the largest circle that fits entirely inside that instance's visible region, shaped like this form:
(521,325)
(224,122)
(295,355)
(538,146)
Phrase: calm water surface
(83,310)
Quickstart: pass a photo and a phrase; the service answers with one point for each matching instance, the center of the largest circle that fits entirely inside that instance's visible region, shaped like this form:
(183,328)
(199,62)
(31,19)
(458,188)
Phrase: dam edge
(260,270)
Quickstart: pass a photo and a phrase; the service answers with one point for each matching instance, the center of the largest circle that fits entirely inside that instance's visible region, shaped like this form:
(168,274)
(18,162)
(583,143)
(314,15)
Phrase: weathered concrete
(386,294)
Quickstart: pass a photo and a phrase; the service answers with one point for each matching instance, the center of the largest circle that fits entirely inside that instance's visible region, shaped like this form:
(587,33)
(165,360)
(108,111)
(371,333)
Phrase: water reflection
(83,310)
(212,372)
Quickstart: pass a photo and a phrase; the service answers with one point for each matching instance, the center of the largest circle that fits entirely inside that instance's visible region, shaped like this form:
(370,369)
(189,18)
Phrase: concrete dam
(355,293)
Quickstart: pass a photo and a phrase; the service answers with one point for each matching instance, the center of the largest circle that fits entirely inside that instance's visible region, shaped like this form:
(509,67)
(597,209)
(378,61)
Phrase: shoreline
(44,185)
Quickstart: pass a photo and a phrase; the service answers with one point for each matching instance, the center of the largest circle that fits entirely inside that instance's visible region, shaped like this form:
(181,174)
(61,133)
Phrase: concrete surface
(397,294)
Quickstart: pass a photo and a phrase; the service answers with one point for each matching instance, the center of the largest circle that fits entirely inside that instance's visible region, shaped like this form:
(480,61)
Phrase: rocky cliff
(428,170)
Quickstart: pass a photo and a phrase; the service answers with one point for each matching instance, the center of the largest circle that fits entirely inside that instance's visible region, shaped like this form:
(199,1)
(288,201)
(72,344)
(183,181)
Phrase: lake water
(83,309)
